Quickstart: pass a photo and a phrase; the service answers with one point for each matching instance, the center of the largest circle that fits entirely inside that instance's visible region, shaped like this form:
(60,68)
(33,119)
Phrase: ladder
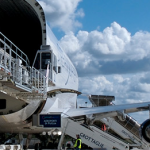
(92,136)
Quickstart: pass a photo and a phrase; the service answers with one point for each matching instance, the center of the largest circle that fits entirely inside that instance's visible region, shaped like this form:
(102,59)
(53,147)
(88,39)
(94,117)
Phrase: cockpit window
(42,60)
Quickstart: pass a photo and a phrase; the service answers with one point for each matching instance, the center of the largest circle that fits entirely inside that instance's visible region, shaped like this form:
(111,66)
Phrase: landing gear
(145,130)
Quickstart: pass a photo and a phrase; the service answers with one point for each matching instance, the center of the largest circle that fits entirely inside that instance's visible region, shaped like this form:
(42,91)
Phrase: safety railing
(38,80)
(6,44)
(16,63)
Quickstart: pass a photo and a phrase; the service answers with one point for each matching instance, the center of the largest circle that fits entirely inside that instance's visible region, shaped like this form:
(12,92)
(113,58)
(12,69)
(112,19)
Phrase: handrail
(14,52)
(11,43)
(20,72)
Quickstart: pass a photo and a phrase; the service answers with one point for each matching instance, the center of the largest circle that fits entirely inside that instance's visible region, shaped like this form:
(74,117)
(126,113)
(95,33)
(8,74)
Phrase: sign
(50,120)
(90,139)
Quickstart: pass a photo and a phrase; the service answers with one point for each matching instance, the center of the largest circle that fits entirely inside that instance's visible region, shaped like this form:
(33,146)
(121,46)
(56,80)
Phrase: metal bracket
(62,136)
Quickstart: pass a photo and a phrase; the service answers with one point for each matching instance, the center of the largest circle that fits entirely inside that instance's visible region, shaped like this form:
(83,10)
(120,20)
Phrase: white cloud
(63,13)
(112,51)
(126,89)
(145,78)
(138,47)
(113,41)
(96,85)
(118,78)
(70,43)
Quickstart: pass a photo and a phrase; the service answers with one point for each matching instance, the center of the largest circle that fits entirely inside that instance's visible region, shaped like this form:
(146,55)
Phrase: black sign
(50,120)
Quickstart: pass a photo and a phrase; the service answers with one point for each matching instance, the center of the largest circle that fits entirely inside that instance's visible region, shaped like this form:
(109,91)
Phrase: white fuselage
(24,89)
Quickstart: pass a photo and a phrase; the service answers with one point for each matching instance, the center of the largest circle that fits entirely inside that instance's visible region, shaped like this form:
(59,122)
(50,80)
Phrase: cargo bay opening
(23,23)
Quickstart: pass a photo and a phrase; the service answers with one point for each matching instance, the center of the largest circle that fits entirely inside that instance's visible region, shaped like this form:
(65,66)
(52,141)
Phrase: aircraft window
(59,69)
(46,57)
(3,104)
(37,62)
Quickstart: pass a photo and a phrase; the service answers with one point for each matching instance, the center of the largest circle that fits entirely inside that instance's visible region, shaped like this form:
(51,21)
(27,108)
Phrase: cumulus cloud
(145,78)
(63,13)
(119,78)
(97,85)
(126,88)
(112,51)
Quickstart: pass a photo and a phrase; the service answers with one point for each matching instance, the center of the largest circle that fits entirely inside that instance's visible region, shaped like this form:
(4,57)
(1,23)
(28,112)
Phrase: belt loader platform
(92,136)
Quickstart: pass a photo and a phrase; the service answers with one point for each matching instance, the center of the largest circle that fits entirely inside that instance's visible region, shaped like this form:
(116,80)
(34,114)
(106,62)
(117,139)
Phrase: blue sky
(131,14)
(109,44)
(99,14)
